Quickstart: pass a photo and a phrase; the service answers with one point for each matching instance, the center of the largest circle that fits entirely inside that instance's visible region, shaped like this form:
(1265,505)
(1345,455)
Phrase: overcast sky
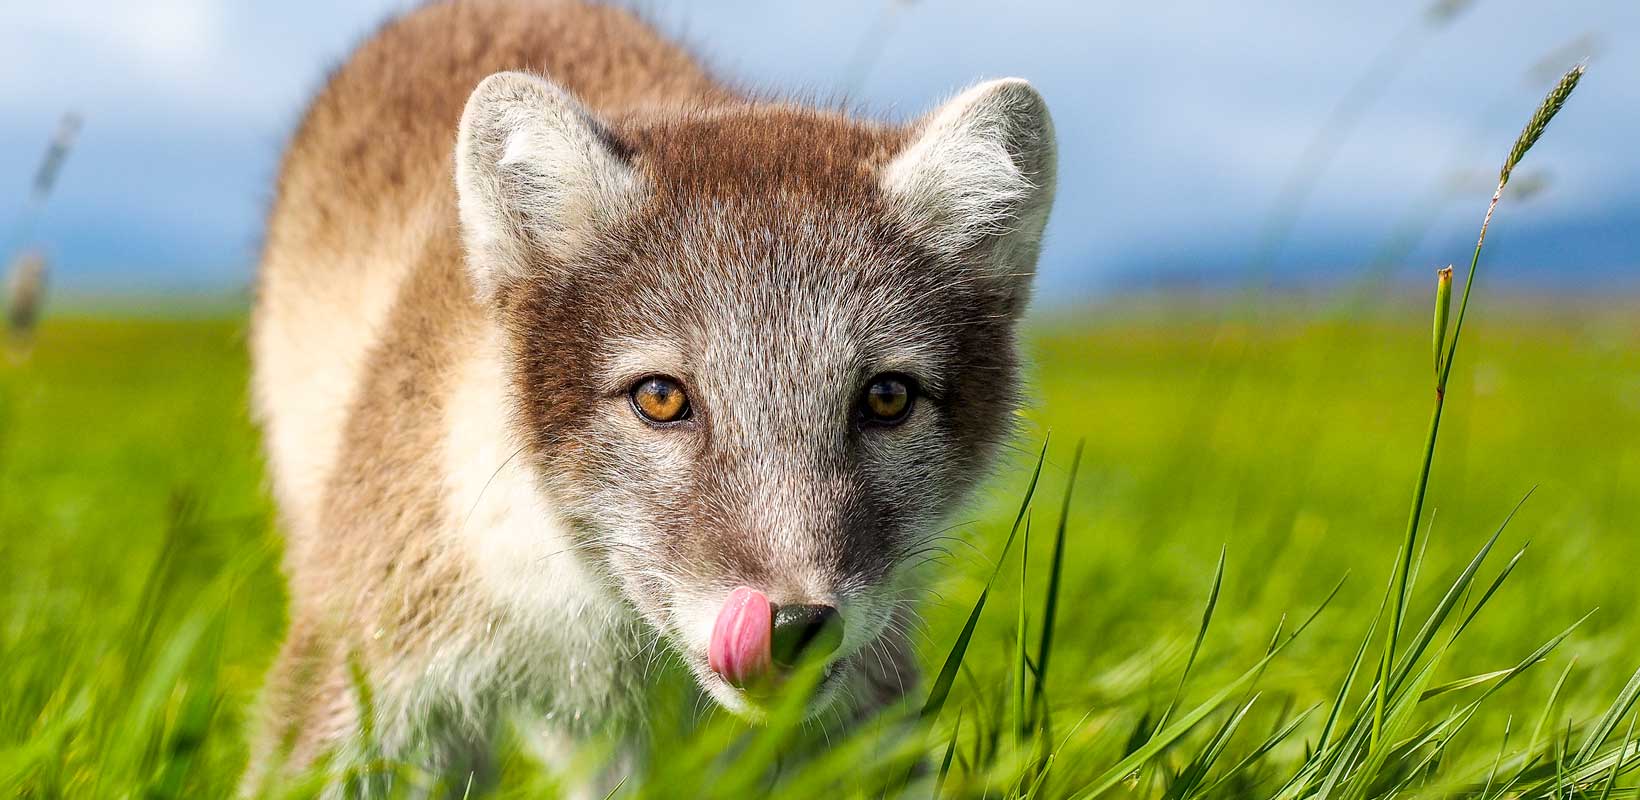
(1180,122)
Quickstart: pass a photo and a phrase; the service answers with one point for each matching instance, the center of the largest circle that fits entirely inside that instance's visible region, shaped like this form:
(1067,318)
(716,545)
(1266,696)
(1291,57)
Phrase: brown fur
(367,313)
(369,167)
(370,163)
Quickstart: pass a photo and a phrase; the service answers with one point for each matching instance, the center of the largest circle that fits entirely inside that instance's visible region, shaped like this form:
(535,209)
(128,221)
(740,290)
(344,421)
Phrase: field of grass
(140,599)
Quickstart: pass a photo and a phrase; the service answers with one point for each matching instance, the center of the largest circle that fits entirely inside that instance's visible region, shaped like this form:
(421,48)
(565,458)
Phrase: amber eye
(888,399)
(660,400)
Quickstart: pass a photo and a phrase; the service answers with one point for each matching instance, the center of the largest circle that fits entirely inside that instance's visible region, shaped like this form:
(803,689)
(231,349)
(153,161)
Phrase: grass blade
(1164,737)
(1201,634)
(941,688)
(1191,778)
(950,752)
(1609,721)
(1264,748)
(1056,571)
(1020,666)
(1549,707)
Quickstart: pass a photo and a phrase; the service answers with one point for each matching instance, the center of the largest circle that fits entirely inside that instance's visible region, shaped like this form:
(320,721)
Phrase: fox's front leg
(311,718)
(307,709)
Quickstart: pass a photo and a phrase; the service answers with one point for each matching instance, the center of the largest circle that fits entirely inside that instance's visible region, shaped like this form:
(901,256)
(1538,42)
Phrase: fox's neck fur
(461,268)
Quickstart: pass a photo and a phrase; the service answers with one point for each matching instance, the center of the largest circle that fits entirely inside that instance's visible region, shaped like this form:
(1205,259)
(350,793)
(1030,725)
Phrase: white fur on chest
(564,645)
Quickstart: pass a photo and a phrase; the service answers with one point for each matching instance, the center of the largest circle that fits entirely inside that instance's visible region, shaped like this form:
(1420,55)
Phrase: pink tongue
(740,639)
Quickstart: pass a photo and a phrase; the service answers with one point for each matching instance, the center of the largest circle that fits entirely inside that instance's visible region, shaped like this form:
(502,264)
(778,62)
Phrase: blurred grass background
(140,599)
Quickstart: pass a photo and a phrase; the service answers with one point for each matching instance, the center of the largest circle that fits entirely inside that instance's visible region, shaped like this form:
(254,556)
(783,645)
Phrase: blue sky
(1179,121)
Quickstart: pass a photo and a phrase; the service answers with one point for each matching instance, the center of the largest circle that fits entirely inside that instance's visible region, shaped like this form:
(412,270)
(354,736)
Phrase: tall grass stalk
(1445,354)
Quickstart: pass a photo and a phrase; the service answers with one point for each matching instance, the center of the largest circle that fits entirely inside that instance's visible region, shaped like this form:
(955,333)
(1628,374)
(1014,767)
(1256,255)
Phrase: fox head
(756,345)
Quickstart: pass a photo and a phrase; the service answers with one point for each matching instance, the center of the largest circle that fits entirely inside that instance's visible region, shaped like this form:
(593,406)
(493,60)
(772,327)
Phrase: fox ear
(977,181)
(535,174)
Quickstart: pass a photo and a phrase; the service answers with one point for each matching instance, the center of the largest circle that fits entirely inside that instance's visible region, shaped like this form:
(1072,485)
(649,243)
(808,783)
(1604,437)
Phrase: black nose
(805,632)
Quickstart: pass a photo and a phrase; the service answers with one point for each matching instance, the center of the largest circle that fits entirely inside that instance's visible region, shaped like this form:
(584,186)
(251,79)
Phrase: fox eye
(888,399)
(660,400)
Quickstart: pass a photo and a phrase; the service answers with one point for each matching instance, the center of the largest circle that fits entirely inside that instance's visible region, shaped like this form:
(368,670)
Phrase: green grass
(140,601)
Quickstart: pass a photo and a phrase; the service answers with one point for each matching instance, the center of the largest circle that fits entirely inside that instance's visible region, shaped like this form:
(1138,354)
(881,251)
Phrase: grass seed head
(1539,122)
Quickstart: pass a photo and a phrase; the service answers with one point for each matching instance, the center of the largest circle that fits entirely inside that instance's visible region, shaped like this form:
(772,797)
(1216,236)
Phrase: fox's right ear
(536,173)
(976,181)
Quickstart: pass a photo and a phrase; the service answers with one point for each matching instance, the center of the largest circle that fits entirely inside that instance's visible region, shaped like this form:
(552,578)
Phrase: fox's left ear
(976,182)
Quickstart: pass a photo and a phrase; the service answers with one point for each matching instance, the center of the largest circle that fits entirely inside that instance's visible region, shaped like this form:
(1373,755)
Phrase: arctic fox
(566,352)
